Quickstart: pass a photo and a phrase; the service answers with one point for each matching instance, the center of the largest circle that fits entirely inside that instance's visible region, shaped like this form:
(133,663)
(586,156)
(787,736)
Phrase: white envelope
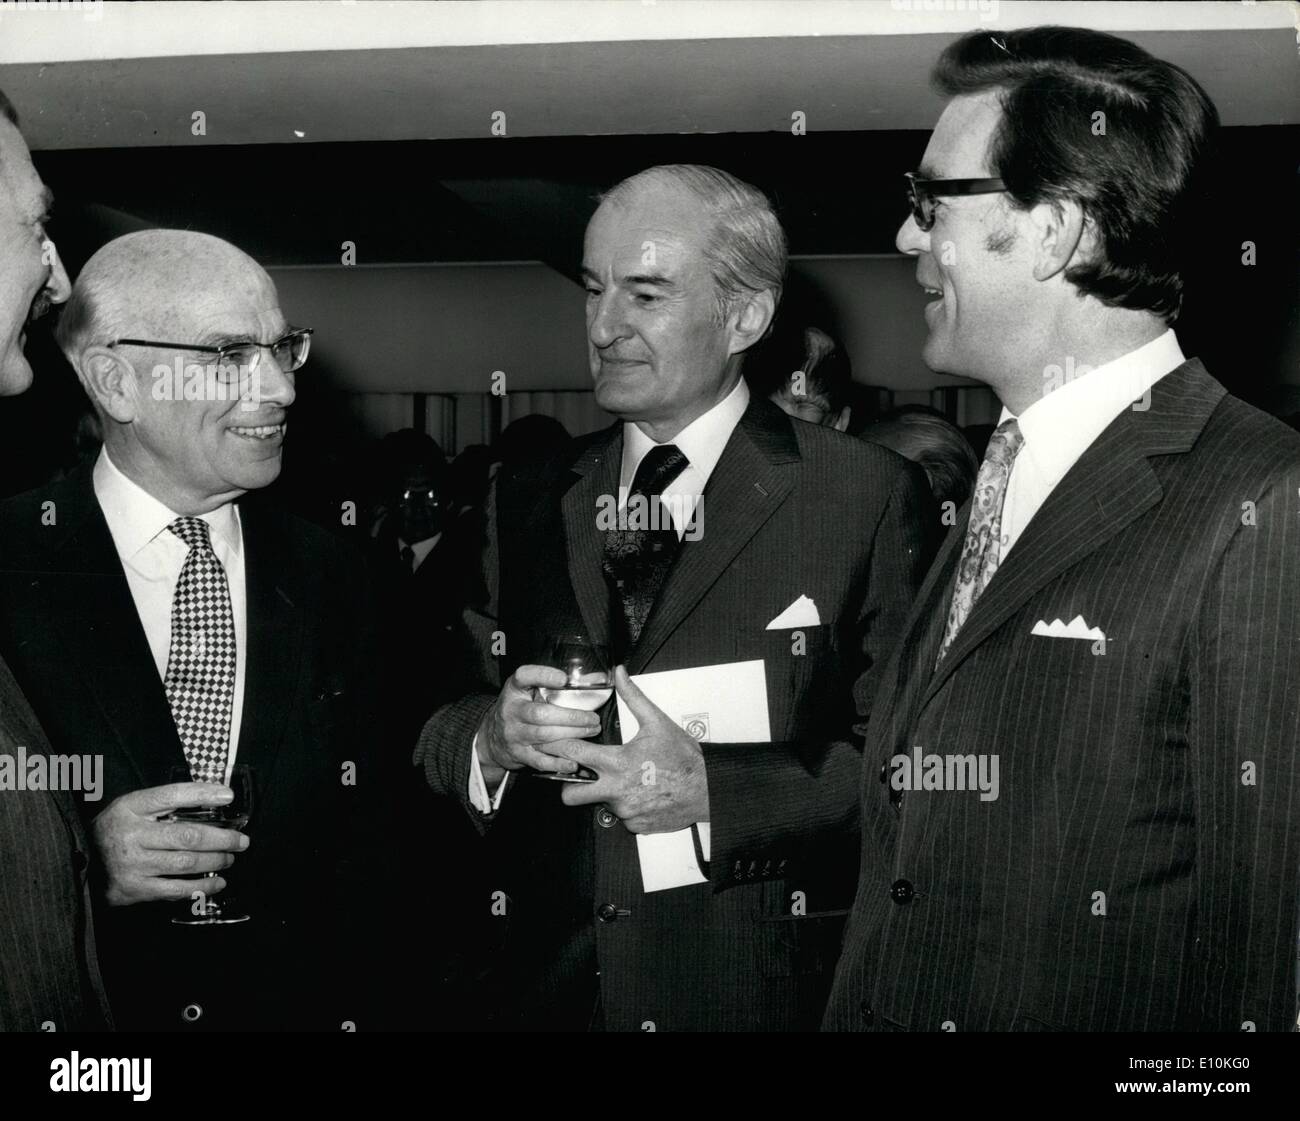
(801,613)
(1075,628)
(720,704)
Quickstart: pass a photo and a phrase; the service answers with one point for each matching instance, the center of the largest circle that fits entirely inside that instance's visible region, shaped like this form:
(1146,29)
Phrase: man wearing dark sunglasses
(153,608)
(1115,619)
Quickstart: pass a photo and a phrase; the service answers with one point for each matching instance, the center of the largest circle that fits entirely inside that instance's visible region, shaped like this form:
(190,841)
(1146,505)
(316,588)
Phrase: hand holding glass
(233,815)
(588,686)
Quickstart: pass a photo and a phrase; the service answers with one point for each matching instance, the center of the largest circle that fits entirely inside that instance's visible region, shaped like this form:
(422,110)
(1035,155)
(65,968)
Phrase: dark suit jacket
(1126,878)
(49,973)
(419,626)
(69,628)
(790,509)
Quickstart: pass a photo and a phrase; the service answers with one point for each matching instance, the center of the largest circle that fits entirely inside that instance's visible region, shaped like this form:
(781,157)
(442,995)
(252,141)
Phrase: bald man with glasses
(155,609)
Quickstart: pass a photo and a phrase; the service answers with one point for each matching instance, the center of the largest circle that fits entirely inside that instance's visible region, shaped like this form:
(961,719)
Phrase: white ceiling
(126,75)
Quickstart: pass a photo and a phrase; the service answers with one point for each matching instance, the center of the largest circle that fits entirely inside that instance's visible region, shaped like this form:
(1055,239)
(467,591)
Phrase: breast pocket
(802,674)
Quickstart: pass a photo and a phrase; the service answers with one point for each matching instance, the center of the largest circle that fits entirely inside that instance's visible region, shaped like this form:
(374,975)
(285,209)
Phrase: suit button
(607,912)
(884,767)
(192,1013)
(604,818)
(868,1013)
(902,891)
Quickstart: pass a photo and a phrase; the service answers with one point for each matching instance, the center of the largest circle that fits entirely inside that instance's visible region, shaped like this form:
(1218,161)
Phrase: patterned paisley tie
(982,551)
(637,560)
(200,678)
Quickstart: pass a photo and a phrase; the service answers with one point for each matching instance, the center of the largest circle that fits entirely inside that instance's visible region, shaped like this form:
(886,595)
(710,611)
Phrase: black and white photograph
(587,516)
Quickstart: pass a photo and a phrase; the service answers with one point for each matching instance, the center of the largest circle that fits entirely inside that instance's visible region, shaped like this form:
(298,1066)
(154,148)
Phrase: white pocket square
(1075,628)
(801,613)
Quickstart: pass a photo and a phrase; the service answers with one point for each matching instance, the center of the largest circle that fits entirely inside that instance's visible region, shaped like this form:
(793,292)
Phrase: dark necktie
(637,558)
(408,558)
(200,677)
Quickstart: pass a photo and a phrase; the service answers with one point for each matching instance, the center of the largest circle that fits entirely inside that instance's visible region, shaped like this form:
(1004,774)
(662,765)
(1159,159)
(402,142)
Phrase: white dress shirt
(702,442)
(152,559)
(1059,427)
(421,549)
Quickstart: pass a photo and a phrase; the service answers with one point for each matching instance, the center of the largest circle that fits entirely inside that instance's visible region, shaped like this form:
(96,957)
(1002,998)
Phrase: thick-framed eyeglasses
(921,193)
(235,359)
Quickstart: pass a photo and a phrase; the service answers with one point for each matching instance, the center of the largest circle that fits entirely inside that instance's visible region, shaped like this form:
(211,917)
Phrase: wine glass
(233,815)
(589,683)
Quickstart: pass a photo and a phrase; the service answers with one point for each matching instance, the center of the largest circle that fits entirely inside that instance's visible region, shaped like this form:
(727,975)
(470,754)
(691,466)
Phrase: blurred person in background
(807,373)
(927,438)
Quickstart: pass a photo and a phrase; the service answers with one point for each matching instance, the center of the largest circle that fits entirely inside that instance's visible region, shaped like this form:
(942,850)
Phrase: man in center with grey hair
(778,541)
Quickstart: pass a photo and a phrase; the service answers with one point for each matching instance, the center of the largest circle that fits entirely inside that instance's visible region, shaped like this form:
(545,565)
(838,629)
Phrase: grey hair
(746,250)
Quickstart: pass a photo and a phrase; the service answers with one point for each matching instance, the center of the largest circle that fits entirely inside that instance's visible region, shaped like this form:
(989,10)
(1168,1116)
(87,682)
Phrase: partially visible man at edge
(49,975)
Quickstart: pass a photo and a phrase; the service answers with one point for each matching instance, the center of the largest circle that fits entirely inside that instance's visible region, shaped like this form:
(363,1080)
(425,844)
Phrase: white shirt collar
(135,517)
(421,548)
(1062,424)
(701,441)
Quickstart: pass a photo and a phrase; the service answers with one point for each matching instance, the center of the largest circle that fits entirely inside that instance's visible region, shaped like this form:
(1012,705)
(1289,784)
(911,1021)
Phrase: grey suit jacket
(1140,867)
(49,975)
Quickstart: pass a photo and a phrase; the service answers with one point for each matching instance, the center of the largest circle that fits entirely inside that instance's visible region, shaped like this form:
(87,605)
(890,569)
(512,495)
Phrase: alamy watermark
(651,513)
(84,773)
(89,10)
(985,9)
(208,381)
(927,771)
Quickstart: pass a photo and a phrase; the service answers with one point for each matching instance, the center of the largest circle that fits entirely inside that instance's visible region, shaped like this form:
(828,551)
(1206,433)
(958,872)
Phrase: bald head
(157,284)
(192,431)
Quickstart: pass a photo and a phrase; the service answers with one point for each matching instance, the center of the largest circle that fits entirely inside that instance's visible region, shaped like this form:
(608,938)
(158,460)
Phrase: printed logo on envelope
(696,725)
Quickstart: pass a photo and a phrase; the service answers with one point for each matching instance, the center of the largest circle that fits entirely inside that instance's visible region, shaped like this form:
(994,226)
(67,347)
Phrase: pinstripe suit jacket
(790,509)
(1139,868)
(48,969)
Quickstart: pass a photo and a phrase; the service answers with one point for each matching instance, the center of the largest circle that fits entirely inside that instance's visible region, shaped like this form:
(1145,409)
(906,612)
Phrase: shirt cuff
(478,794)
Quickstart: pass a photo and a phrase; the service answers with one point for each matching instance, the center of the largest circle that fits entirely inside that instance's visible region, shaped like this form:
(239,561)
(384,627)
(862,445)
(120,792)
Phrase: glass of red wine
(203,909)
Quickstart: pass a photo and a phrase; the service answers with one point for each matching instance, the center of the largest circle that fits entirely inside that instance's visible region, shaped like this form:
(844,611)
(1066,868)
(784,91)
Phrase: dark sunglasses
(921,193)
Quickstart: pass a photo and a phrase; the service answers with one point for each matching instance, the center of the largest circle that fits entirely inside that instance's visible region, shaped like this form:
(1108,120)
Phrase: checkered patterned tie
(982,551)
(200,678)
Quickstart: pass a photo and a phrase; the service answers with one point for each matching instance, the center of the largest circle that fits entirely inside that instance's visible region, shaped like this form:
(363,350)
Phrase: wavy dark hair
(1141,183)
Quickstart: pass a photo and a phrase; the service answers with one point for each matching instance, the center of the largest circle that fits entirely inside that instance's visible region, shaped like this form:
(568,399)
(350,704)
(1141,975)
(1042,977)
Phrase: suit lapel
(90,603)
(922,632)
(748,485)
(1111,485)
(597,470)
(275,625)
